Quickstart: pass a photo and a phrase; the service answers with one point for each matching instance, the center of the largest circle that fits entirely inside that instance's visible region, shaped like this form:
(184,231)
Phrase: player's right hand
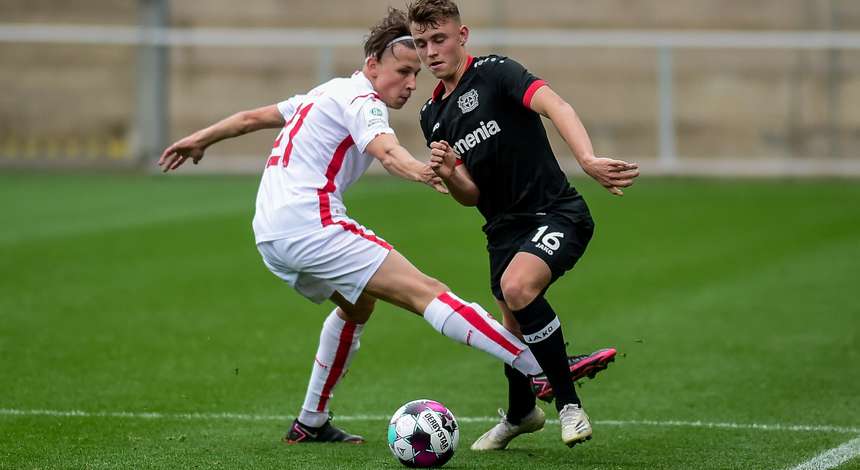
(443,160)
(430,178)
(174,156)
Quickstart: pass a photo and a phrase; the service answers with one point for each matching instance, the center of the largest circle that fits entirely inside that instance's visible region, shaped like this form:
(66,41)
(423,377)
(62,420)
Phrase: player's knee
(366,305)
(518,294)
(361,311)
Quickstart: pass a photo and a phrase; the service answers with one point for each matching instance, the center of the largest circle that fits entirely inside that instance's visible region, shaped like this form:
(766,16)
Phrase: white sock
(470,324)
(527,363)
(339,340)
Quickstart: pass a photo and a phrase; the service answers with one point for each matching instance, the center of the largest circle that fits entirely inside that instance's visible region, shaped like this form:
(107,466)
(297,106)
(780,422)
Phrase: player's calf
(542,332)
(470,324)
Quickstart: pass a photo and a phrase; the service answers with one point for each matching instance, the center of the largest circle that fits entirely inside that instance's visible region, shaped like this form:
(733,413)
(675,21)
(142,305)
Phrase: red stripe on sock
(477,320)
(336,368)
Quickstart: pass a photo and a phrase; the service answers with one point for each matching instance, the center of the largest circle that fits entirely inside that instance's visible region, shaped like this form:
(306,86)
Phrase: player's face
(441,48)
(396,74)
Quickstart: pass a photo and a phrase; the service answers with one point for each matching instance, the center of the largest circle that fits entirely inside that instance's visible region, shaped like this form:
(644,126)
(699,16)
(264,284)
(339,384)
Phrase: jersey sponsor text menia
(489,122)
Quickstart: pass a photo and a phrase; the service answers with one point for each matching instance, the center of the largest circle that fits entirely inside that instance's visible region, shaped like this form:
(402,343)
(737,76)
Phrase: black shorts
(558,237)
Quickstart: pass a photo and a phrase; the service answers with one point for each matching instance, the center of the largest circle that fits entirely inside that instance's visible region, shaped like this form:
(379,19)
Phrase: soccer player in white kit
(328,138)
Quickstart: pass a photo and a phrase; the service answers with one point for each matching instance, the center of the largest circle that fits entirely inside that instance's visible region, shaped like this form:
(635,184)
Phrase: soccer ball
(423,433)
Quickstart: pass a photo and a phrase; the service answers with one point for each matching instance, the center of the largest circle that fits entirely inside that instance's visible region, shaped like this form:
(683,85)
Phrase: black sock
(521,399)
(542,332)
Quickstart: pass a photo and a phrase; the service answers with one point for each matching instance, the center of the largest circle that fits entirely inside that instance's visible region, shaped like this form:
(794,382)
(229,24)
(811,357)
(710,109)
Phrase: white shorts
(341,257)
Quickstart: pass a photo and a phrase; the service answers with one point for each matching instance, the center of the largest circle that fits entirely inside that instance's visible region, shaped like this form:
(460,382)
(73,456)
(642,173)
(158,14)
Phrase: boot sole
(578,441)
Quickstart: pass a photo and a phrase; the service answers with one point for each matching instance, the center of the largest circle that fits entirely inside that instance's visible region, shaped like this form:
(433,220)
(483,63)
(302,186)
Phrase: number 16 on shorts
(547,242)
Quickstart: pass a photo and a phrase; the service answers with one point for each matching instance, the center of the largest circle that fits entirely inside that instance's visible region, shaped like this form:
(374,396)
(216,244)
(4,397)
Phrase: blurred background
(139,329)
(706,87)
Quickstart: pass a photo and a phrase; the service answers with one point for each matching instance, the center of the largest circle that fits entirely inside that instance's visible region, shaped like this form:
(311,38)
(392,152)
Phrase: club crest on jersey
(468,101)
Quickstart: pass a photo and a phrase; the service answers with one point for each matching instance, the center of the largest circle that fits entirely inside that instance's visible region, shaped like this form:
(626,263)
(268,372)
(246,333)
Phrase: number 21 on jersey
(284,157)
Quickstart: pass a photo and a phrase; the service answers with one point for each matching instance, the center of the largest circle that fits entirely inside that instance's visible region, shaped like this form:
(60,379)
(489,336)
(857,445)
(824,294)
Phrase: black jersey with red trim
(488,121)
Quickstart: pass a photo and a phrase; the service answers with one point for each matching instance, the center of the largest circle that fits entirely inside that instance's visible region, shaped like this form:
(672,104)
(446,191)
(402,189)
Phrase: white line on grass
(464,419)
(752,426)
(833,457)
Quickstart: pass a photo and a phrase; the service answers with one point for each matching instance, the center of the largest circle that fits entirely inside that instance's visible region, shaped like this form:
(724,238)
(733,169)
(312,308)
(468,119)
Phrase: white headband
(396,40)
(391,43)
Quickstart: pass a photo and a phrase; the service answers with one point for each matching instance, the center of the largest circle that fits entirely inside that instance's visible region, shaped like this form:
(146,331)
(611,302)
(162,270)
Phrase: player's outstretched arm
(399,162)
(195,145)
(610,173)
(443,160)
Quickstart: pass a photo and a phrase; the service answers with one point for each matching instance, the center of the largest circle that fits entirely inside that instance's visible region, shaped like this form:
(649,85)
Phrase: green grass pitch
(734,303)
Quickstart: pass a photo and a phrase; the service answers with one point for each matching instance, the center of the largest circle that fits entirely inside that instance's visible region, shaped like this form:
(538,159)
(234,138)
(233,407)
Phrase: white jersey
(318,154)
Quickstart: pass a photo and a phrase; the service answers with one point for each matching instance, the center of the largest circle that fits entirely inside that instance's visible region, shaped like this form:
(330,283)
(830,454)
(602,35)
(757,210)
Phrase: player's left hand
(181,150)
(443,159)
(610,173)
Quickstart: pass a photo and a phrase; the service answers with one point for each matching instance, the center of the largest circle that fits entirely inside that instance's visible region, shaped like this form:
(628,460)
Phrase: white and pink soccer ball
(423,433)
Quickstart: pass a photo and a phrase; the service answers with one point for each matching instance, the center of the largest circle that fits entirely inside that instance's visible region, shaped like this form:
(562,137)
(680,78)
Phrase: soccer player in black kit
(489,145)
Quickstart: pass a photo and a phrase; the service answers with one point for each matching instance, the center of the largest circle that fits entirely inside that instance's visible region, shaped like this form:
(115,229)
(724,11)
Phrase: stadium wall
(736,111)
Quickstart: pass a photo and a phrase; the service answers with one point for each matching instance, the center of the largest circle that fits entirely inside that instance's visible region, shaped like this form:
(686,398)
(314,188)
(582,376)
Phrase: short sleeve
(514,80)
(366,118)
(288,107)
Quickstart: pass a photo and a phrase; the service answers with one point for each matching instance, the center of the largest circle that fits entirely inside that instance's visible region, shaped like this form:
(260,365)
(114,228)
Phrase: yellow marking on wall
(91,147)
